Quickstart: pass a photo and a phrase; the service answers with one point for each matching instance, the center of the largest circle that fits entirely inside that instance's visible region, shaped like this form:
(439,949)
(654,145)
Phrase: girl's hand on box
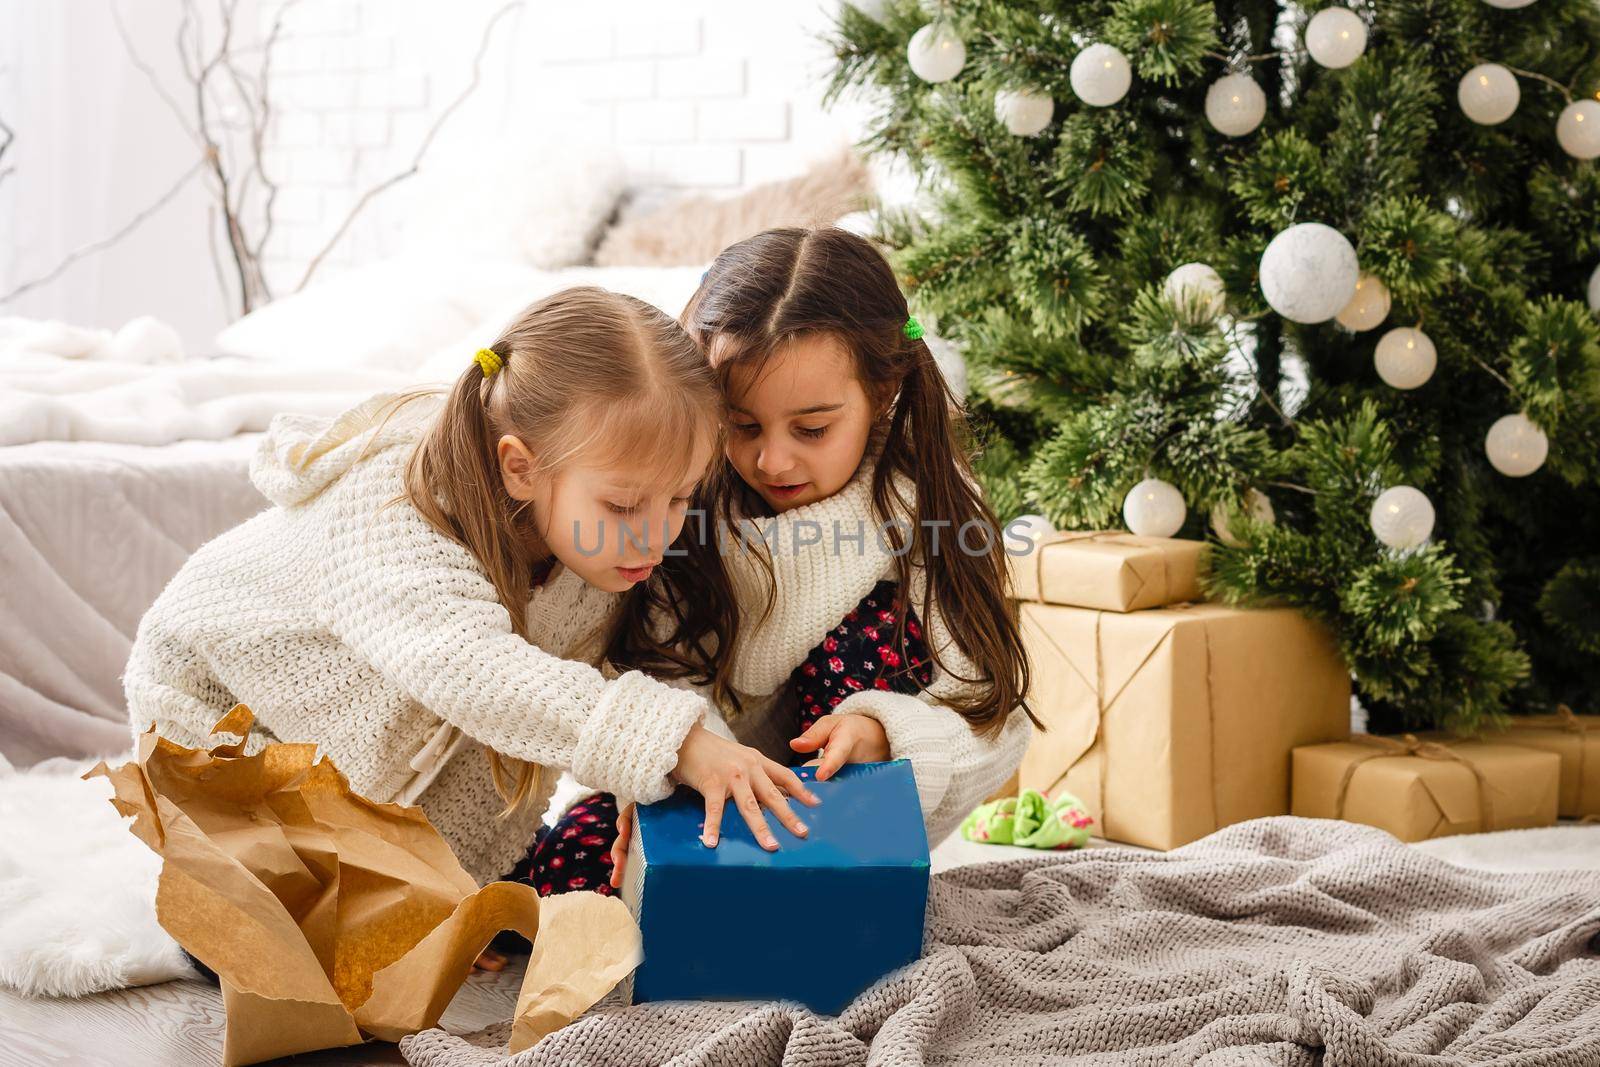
(719,769)
(619,847)
(847,738)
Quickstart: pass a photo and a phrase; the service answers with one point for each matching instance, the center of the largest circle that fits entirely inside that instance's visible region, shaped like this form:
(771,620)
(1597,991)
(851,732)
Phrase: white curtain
(94,145)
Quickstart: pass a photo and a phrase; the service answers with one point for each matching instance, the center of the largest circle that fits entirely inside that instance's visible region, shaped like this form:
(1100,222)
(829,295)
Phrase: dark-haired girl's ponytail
(966,578)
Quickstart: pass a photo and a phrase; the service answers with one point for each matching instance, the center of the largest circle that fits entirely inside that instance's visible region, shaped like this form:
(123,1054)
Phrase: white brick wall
(721,95)
(702,77)
(655,121)
(693,94)
(656,39)
(744,120)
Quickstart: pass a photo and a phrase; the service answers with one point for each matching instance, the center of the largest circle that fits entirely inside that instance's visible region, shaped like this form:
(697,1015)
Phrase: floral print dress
(575,854)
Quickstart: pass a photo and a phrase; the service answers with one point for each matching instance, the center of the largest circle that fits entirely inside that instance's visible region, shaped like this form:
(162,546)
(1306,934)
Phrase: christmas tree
(1307,281)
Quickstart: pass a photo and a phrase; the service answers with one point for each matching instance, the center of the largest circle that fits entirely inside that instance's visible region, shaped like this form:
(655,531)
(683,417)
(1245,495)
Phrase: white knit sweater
(345,619)
(341,617)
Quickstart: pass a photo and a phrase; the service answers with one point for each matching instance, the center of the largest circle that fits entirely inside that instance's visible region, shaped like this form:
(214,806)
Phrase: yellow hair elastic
(488,361)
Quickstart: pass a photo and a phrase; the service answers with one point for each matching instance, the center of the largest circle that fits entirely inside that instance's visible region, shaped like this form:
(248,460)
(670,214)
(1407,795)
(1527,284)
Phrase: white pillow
(535,203)
(390,314)
(668,288)
(480,225)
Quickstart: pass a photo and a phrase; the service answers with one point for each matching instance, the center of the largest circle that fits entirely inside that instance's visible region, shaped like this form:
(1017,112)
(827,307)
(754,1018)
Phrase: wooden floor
(179,1024)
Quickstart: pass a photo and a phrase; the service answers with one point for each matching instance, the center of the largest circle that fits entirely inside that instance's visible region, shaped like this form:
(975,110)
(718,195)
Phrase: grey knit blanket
(1279,941)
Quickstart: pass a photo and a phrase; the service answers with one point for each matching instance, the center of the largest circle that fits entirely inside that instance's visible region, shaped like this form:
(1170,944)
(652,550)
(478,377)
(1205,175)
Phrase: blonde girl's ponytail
(454,481)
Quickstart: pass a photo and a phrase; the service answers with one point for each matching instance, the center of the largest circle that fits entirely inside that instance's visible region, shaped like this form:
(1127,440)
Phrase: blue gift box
(817,921)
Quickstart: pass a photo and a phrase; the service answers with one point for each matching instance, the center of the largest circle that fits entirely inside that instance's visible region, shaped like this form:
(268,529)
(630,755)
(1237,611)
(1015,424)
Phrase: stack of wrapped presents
(1170,717)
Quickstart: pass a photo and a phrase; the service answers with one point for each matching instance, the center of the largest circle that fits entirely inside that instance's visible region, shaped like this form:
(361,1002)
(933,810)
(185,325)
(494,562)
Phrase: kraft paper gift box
(1109,571)
(1175,722)
(1576,739)
(330,919)
(735,922)
(1422,787)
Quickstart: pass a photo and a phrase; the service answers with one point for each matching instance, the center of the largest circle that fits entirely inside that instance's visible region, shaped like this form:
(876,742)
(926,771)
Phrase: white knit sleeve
(825,557)
(417,606)
(954,767)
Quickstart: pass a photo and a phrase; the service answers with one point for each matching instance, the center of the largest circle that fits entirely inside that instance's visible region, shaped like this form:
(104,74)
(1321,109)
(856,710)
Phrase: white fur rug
(77,890)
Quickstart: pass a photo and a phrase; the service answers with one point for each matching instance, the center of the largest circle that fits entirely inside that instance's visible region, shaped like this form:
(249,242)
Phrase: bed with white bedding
(89,533)
(113,472)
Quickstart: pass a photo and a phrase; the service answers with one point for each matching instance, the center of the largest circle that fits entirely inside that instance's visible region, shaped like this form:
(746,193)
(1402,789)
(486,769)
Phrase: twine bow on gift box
(1412,745)
(1570,722)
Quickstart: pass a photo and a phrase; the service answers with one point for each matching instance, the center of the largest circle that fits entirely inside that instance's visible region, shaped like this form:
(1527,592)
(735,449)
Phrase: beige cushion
(694,229)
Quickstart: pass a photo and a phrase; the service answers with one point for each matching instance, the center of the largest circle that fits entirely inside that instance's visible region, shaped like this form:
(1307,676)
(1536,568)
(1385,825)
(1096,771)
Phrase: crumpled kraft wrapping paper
(331,919)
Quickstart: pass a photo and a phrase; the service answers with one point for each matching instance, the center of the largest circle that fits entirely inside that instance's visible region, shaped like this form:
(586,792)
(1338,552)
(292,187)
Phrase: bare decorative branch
(9,135)
(209,126)
(230,110)
(422,149)
(105,242)
(150,75)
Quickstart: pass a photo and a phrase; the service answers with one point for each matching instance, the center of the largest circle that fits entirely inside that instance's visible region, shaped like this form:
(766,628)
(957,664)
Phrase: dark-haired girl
(840,420)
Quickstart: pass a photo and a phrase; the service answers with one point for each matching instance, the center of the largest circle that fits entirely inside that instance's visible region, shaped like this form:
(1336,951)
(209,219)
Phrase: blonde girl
(428,596)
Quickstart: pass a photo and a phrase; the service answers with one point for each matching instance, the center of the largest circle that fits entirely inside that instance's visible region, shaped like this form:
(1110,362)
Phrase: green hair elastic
(912,329)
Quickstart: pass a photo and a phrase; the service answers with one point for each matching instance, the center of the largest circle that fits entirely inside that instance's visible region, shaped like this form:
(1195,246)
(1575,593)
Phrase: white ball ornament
(1257,505)
(1154,508)
(1594,291)
(1402,517)
(1488,94)
(1100,75)
(1405,357)
(1508,5)
(1578,129)
(1029,528)
(1023,111)
(936,53)
(1235,105)
(1368,308)
(1516,447)
(1336,37)
(1197,283)
(1308,272)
